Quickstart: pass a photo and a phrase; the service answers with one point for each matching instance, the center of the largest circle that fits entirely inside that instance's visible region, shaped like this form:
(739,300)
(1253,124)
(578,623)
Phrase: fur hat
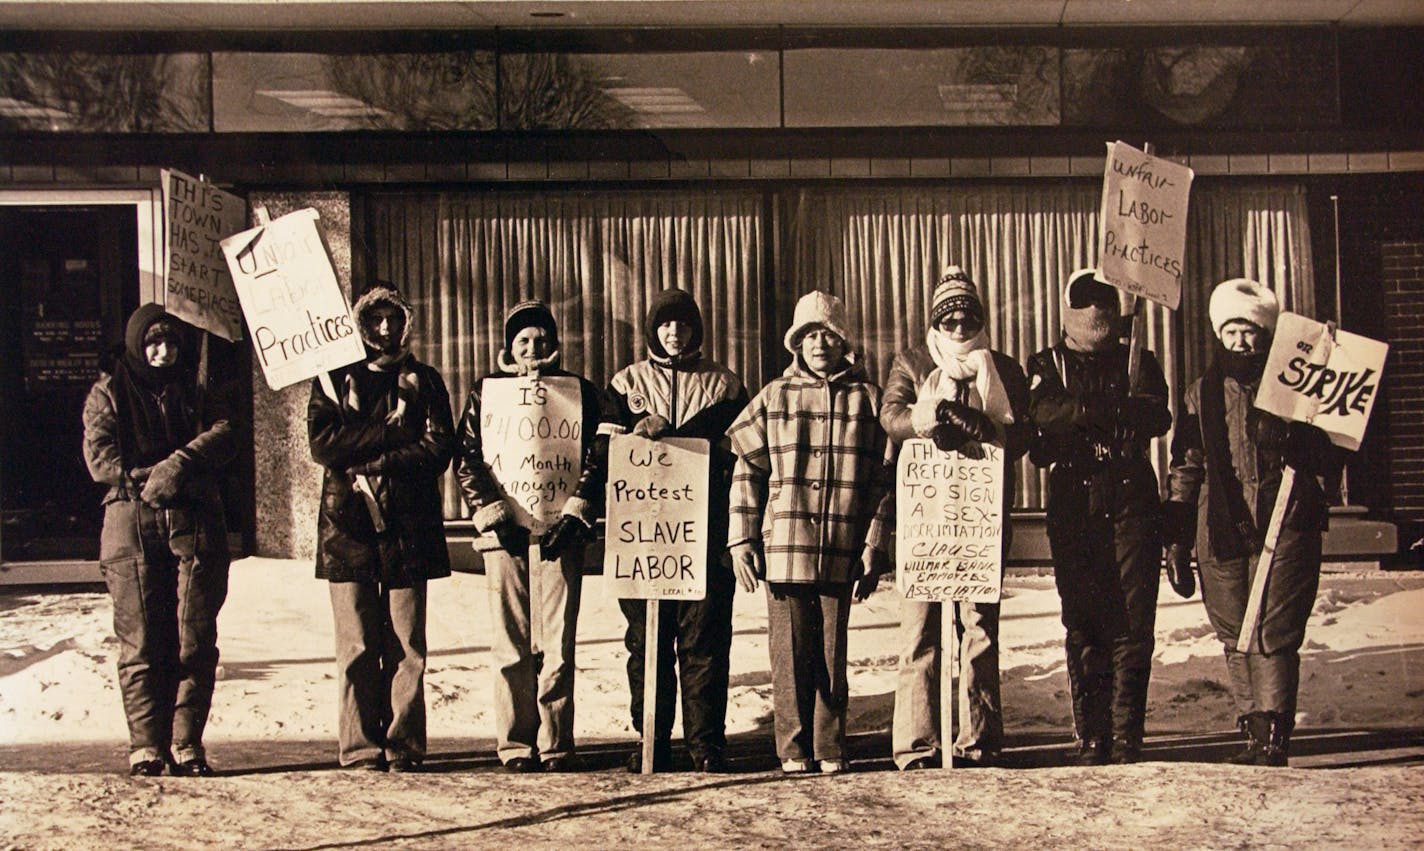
(532,312)
(955,291)
(816,308)
(667,306)
(382,293)
(1243,298)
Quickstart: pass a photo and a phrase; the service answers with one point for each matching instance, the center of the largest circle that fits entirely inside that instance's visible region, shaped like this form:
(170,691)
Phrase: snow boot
(1256,727)
(1275,752)
(1096,742)
(1129,713)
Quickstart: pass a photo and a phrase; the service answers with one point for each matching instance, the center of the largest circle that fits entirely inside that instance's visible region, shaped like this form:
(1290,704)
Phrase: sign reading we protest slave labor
(301,325)
(1142,243)
(949,523)
(531,435)
(657,499)
(198,286)
(1329,382)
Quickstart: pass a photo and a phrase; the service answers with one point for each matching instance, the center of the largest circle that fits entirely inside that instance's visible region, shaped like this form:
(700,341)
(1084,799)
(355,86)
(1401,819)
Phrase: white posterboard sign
(301,325)
(949,523)
(655,547)
(531,436)
(1142,243)
(1328,383)
(198,286)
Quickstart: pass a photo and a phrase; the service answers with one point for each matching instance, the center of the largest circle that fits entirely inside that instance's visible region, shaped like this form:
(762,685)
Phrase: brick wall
(1403,281)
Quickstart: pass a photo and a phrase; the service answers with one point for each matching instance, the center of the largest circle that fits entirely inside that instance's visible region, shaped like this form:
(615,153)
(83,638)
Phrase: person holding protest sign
(159,439)
(956,391)
(1227,460)
(535,579)
(809,494)
(382,429)
(1104,513)
(677,392)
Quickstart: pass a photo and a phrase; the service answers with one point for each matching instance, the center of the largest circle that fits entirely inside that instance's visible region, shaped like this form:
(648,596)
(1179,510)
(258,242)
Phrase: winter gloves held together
(566,533)
(951,424)
(163,482)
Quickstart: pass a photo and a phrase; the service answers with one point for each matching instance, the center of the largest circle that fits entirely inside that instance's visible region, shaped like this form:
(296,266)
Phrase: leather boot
(1095,747)
(1076,684)
(1275,752)
(1256,727)
(1129,713)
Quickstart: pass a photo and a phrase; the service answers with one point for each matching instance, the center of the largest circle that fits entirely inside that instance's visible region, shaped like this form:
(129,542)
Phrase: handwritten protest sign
(1143,240)
(657,498)
(531,434)
(1329,383)
(301,324)
(949,523)
(199,288)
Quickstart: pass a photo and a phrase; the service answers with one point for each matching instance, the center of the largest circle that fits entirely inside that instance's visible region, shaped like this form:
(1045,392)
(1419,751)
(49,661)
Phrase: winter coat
(811,475)
(403,463)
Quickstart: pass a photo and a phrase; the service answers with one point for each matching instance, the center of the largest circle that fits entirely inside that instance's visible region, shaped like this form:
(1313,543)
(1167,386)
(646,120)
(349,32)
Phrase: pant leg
(981,718)
(832,690)
(704,647)
(560,587)
(359,615)
(915,729)
(1139,564)
(634,639)
(794,645)
(404,671)
(516,671)
(1087,588)
(1238,672)
(203,564)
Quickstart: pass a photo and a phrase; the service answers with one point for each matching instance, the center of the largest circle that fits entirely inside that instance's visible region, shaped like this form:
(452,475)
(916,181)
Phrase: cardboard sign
(301,324)
(655,547)
(1329,383)
(531,435)
(949,523)
(198,287)
(1142,244)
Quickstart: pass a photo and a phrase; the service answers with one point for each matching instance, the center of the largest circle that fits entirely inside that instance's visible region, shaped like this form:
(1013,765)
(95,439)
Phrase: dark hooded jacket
(390,423)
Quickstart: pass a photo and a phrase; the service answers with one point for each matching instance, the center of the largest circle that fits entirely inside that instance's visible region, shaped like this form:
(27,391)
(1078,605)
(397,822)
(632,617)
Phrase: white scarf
(957,362)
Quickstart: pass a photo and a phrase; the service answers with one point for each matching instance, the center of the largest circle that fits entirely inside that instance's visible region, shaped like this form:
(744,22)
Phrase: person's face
(385,326)
(961,325)
(531,344)
(674,335)
(1243,337)
(822,349)
(161,351)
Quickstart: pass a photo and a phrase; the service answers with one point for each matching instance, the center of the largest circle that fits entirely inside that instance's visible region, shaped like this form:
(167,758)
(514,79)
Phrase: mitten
(652,427)
(166,480)
(568,531)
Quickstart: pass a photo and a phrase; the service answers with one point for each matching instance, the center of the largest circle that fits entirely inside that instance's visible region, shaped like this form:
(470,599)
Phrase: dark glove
(1140,413)
(1307,448)
(166,480)
(652,427)
(513,538)
(1098,412)
(948,437)
(567,531)
(374,467)
(1179,522)
(873,565)
(974,423)
(1179,570)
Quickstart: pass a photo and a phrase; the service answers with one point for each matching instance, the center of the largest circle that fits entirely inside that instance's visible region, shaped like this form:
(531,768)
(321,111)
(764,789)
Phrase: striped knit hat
(955,291)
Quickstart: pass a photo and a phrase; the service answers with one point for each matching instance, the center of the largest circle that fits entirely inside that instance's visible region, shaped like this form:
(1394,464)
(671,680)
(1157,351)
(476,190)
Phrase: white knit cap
(1243,298)
(816,308)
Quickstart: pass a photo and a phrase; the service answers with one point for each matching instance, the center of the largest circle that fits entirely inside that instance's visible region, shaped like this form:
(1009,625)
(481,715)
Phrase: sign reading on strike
(531,435)
(199,287)
(657,498)
(1329,383)
(949,524)
(301,324)
(1143,239)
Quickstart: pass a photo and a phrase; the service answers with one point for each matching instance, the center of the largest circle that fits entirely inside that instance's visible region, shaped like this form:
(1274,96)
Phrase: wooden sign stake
(652,640)
(948,664)
(1263,567)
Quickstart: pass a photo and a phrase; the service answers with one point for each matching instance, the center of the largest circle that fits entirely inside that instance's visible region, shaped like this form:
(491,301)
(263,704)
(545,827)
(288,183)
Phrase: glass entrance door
(69,279)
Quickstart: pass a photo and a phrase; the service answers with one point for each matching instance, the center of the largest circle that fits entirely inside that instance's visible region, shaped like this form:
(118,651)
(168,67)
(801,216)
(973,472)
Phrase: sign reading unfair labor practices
(1328,382)
(531,434)
(198,287)
(1143,238)
(301,325)
(657,498)
(949,523)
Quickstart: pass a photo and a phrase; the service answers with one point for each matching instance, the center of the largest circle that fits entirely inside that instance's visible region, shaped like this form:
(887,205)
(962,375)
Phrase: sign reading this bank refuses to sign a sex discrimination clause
(657,498)
(949,523)
(1143,243)
(531,436)
(300,322)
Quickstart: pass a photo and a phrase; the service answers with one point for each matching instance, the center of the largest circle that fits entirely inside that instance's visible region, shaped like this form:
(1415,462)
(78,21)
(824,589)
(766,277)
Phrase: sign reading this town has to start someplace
(949,523)
(531,438)
(655,547)
(198,287)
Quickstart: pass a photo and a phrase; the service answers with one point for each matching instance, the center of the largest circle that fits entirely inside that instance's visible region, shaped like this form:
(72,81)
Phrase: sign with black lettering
(1329,382)
(531,434)
(198,287)
(949,523)
(301,324)
(655,547)
(1142,242)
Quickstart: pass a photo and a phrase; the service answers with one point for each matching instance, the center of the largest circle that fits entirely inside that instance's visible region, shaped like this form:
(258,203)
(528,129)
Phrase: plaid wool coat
(812,475)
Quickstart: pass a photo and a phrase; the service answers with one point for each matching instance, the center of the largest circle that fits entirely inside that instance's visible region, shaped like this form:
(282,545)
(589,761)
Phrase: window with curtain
(596,258)
(883,248)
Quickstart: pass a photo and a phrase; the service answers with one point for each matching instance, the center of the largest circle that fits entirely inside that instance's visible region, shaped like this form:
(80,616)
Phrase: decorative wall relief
(105,93)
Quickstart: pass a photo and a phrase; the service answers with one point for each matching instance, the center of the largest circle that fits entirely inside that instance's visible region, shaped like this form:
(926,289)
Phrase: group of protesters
(801,499)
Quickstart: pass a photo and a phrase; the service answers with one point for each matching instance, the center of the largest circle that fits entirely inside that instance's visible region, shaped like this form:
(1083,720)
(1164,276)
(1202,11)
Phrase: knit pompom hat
(955,291)
(526,313)
(1243,298)
(816,308)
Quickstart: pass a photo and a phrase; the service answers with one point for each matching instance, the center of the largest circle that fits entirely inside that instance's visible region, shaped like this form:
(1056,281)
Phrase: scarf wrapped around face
(966,366)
